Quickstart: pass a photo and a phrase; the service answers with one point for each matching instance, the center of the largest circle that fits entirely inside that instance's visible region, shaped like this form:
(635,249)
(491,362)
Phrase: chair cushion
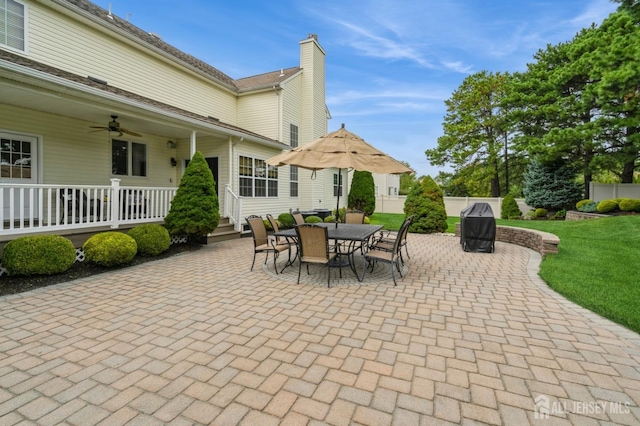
(385,256)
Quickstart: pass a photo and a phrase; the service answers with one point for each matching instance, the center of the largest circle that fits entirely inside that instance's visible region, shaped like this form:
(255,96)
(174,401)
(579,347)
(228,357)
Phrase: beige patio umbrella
(342,150)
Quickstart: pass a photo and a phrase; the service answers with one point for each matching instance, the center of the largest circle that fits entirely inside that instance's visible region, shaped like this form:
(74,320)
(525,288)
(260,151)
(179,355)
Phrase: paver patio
(199,339)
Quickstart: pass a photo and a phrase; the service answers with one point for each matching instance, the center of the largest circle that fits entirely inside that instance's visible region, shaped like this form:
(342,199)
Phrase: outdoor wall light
(171,145)
(174,162)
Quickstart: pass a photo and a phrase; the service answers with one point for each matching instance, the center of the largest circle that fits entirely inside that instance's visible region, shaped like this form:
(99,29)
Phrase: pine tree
(550,186)
(195,209)
(362,192)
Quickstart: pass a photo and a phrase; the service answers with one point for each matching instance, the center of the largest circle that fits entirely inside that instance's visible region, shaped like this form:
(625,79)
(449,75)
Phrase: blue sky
(390,65)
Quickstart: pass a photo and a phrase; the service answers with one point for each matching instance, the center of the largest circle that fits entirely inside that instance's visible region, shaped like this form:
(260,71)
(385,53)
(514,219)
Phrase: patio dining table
(354,235)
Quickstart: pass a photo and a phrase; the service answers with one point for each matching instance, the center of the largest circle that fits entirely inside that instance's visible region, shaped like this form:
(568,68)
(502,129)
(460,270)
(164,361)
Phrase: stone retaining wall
(542,242)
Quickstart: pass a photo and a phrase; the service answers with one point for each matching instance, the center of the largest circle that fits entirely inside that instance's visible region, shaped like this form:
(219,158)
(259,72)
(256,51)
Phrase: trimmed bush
(426,203)
(151,239)
(590,207)
(267,224)
(560,214)
(195,211)
(580,204)
(362,195)
(367,221)
(313,219)
(330,219)
(38,255)
(629,205)
(510,209)
(110,249)
(340,214)
(606,206)
(531,214)
(286,220)
(541,212)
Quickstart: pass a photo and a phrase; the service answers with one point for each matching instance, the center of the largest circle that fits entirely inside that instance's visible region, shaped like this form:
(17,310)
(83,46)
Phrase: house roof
(240,85)
(146,37)
(89,83)
(265,80)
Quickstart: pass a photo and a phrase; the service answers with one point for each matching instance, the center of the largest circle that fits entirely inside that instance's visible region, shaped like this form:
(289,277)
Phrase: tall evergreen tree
(362,195)
(551,186)
(195,210)
(426,203)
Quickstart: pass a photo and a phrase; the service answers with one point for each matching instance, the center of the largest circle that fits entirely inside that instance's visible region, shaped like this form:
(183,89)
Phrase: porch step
(225,231)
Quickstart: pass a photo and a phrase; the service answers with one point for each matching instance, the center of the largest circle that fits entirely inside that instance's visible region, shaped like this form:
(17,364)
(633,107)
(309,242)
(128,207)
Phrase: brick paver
(199,339)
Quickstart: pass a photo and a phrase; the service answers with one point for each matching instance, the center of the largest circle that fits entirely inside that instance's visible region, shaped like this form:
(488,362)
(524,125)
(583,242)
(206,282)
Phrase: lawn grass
(596,265)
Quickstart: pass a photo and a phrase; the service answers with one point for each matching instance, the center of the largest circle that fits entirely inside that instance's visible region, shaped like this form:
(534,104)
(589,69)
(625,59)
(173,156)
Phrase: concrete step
(225,231)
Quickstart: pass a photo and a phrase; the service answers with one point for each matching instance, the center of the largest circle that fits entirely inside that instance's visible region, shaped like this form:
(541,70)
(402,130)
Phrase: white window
(293,135)
(293,184)
(257,179)
(337,185)
(128,158)
(13,24)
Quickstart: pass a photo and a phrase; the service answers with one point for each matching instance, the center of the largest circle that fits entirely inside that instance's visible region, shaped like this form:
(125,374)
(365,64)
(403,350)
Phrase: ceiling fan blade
(129,132)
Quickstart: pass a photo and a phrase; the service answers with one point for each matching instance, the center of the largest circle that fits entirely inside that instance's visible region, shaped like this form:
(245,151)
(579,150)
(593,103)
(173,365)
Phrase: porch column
(192,146)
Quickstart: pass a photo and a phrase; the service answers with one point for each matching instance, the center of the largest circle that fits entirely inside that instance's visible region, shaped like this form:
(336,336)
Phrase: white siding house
(68,66)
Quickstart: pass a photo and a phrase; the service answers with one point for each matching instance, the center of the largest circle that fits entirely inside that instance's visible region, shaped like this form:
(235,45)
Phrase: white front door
(18,164)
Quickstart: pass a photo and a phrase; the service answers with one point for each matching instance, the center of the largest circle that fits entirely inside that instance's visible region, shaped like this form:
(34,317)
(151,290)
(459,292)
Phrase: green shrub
(560,214)
(151,239)
(629,205)
(367,221)
(541,212)
(195,211)
(313,219)
(38,255)
(606,206)
(340,214)
(590,207)
(580,204)
(510,209)
(550,185)
(362,195)
(110,249)
(531,214)
(426,203)
(329,219)
(267,224)
(286,220)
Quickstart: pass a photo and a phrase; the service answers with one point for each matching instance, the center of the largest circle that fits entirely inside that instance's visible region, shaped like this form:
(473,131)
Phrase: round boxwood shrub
(629,205)
(541,212)
(606,206)
(110,249)
(330,219)
(313,219)
(510,209)
(38,255)
(286,220)
(151,239)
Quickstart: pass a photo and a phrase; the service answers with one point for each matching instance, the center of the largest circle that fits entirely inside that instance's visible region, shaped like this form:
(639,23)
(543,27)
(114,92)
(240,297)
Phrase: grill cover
(478,228)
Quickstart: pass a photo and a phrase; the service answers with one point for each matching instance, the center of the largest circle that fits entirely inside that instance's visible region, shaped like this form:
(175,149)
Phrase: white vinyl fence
(608,191)
(453,205)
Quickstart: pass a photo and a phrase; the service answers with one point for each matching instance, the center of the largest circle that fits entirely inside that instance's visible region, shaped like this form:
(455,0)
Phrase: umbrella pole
(339,191)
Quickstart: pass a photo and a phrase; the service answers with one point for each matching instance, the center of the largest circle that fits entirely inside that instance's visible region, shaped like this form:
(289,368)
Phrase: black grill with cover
(478,228)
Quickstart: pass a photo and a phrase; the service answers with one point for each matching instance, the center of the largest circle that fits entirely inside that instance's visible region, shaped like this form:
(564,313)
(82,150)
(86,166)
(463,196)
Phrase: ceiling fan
(114,126)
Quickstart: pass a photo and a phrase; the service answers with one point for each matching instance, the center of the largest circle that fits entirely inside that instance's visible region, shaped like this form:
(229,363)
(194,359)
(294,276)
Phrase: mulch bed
(19,284)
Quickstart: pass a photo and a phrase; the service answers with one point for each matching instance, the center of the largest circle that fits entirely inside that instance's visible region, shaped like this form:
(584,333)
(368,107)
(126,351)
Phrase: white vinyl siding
(13,25)
(62,42)
(258,112)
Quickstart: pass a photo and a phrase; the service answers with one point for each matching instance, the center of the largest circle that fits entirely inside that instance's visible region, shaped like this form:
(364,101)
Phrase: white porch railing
(233,207)
(31,209)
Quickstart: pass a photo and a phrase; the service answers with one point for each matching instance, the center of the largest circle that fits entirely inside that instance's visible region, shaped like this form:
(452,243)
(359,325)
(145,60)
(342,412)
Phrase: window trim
(130,159)
(270,183)
(25,23)
(293,181)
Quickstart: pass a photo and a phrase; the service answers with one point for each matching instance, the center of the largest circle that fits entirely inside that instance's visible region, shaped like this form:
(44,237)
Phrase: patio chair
(388,238)
(393,256)
(76,204)
(298,218)
(355,217)
(313,243)
(262,243)
(291,242)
